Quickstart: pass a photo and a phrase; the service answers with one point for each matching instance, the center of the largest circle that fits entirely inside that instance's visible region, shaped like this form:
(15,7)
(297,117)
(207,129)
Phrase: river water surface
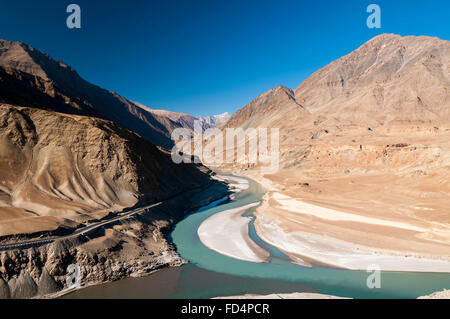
(210,274)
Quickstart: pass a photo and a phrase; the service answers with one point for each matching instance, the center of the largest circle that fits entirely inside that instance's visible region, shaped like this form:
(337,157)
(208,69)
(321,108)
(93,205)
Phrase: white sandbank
(295,295)
(445,294)
(237,184)
(334,252)
(227,233)
(299,207)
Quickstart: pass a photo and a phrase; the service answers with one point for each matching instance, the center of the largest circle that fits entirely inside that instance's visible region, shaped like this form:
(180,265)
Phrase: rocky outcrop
(47,285)
(23,286)
(4,290)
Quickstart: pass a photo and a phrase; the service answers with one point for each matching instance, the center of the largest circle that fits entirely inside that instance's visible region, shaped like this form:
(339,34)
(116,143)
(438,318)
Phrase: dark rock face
(31,78)
(23,287)
(4,290)
(47,285)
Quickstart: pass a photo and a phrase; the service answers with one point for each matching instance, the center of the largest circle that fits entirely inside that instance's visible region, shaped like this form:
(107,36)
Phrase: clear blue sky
(208,56)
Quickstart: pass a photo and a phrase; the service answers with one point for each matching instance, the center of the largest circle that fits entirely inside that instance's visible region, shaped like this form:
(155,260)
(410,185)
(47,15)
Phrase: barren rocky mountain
(185,120)
(32,78)
(57,169)
(389,81)
(181,119)
(270,109)
(368,135)
(62,161)
(68,161)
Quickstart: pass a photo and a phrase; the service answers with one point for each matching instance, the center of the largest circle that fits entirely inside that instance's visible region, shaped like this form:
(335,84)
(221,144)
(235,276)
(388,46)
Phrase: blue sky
(208,56)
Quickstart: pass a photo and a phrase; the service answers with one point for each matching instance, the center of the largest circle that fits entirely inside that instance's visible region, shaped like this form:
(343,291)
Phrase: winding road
(83,231)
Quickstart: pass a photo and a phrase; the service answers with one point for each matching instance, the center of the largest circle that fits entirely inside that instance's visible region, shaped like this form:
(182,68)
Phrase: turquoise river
(210,274)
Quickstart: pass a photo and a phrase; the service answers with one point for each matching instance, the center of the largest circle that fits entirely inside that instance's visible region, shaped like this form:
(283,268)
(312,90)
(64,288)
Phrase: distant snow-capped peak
(215,120)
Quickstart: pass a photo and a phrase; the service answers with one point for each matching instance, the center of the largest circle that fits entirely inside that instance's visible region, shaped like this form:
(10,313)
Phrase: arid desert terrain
(364,159)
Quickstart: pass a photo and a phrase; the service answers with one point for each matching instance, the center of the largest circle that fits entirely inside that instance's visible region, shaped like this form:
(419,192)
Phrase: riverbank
(210,274)
(295,295)
(130,247)
(227,234)
(316,232)
(445,294)
(302,295)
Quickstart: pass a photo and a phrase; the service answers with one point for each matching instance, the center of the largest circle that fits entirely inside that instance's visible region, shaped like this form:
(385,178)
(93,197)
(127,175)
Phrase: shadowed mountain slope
(29,77)
(66,155)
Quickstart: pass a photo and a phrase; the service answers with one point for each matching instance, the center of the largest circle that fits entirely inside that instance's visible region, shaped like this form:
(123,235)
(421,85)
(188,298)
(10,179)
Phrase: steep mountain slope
(179,119)
(367,136)
(31,78)
(63,161)
(185,120)
(65,167)
(57,169)
(389,86)
(390,79)
(61,172)
(270,109)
